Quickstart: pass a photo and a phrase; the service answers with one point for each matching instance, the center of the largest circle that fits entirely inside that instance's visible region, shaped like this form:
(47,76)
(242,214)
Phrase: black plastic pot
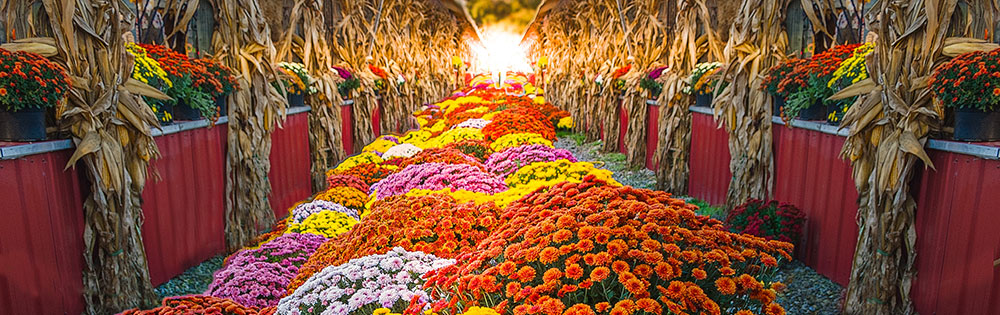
(779,102)
(976,125)
(23,125)
(703,100)
(222,104)
(296,100)
(184,112)
(815,112)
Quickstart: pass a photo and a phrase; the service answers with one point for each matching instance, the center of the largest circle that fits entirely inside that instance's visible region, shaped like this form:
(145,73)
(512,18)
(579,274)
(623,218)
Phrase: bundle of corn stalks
(889,125)
(757,41)
(315,52)
(242,41)
(588,39)
(693,17)
(110,125)
(412,41)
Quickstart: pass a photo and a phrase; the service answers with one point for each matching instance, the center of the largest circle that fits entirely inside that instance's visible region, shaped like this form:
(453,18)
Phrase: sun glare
(501,51)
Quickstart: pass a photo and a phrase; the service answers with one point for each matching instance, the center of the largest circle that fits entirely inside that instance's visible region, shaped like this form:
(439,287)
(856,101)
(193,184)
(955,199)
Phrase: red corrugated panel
(709,160)
(41,236)
(810,175)
(185,209)
(290,177)
(958,212)
(652,133)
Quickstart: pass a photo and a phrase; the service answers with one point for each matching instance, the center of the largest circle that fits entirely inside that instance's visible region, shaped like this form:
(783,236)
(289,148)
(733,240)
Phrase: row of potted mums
(198,88)
(968,85)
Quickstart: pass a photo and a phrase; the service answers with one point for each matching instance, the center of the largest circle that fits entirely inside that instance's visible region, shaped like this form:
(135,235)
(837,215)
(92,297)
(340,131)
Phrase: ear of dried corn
(889,127)
(111,129)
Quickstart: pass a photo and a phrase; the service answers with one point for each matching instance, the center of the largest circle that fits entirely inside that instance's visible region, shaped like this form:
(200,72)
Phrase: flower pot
(778,104)
(815,112)
(222,104)
(831,114)
(703,100)
(167,109)
(24,125)
(184,112)
(296,100)
(976,125)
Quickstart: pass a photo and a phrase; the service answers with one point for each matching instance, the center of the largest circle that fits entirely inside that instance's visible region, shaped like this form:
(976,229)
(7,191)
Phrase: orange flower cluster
(346,181)
(178,65)
(345,196)
(441,155)
(969,81)
(591,248)
(519,120)
(29,80)
(221,73)
(370,173)
(435,224)
(819,68)
(200,304)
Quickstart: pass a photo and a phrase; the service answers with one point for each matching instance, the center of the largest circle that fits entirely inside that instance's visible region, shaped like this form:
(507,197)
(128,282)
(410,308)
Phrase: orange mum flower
(574,271)
(548,255)
(774,309)
(599,274)
(602,307)
(726,285)
(699,274)
(619,266)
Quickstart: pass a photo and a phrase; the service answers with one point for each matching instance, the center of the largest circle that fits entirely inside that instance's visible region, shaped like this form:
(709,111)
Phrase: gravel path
(192,281)
(808,292)
(615,162)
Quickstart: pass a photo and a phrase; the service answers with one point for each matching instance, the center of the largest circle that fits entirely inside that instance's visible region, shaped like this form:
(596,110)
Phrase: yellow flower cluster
(557,171)
(519,139)
(455,135)
(326,223)
(380,145)
(366,157)
(853,67)
(146,67)
(345,196)
(461,195)
(565,123)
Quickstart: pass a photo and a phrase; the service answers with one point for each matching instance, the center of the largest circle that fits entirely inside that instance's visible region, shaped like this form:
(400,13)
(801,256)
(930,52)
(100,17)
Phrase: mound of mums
(476,213)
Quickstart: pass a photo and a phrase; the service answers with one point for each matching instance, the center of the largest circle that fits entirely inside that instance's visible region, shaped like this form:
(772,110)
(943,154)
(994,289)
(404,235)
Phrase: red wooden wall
(810,175)
(709,161)
(41,236)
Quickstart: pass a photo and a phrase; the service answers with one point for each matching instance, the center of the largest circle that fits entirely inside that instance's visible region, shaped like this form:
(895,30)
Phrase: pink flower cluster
(509,161)
(436,176)
(259,277)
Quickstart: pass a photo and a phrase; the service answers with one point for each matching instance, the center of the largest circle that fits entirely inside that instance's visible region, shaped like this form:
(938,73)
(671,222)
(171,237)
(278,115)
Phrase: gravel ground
(192,281)
(616,162)
(808,292)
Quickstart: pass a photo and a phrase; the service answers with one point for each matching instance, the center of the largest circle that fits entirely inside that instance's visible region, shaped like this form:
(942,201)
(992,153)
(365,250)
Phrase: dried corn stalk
(757,42)
(242,41)
(675,119)
(316,54)
(586,39)
(409,39)
(889,125)
(110,126)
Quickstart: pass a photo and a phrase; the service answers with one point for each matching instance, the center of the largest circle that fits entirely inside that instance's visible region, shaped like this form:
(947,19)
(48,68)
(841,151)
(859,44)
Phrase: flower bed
(454,219)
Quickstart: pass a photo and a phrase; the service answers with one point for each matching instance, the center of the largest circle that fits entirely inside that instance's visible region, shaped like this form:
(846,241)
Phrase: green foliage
(705,209)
